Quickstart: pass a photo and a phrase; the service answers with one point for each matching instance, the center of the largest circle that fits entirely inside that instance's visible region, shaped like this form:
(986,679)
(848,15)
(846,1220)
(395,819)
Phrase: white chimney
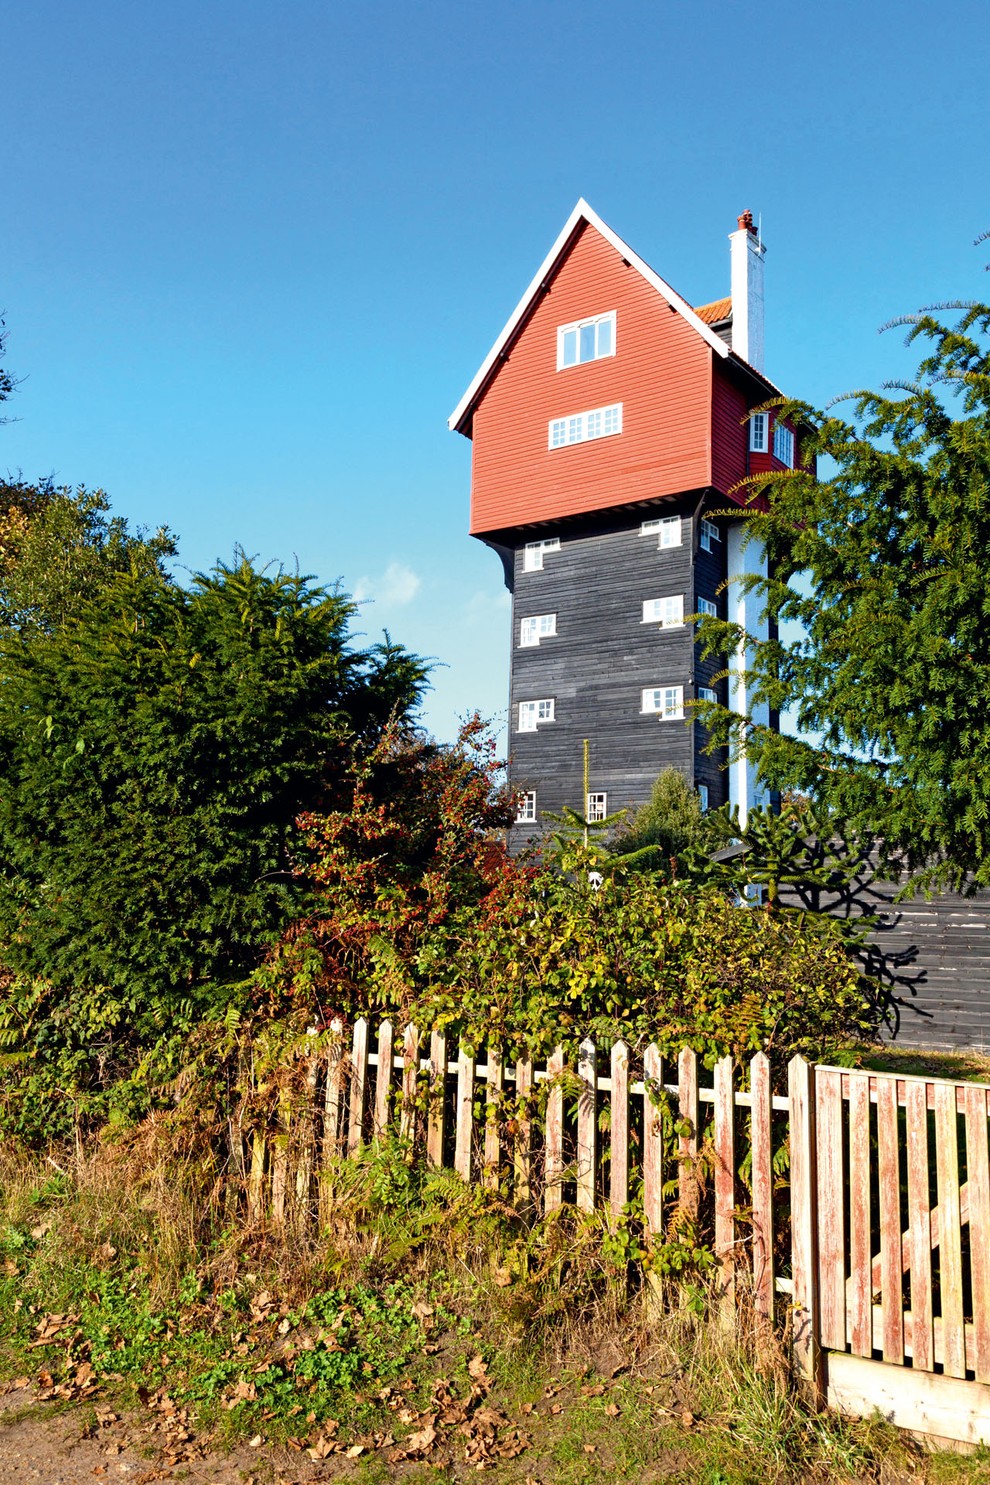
(747,252)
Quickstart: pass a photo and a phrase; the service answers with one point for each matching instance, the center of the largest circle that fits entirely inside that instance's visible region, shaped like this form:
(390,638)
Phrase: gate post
(805,1334)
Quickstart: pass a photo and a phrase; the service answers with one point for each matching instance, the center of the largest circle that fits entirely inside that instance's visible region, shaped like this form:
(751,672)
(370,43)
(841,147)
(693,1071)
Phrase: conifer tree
(883,563)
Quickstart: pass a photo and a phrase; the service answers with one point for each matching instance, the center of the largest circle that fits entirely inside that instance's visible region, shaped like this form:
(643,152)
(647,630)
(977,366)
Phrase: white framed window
(668,612)
(666,701)
(599,422)
(526,808)
(667,530)
(758,429)
(706,693)
(709,535)
(706,607)
(586,340)
(535,551)
(783,444)
(596,806)
(702,798)
(540,626)
(532,713)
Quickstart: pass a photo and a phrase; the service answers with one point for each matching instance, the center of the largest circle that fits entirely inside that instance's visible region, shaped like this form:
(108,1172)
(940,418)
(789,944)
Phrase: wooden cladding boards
(601,659)
(661,373)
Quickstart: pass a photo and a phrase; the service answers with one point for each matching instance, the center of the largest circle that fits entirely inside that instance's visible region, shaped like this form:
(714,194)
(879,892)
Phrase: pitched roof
(581,214)
(716,312)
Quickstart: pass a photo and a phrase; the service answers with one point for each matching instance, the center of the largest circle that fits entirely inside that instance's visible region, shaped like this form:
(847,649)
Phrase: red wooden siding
(729,434)
(661,373)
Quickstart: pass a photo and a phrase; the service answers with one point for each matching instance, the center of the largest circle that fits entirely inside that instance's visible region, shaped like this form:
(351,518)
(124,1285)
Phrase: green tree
(60,548)
(883,565)
(156,749)
(668,828)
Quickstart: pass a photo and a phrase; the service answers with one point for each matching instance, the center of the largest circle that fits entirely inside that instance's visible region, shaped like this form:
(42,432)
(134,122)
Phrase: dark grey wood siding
(603,657)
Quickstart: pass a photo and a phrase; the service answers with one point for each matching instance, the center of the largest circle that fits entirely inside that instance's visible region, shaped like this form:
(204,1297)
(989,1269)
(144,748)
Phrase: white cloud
(397,585)
(485,607)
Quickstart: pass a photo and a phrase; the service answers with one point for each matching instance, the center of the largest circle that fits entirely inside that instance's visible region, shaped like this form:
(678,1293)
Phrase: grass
(964,1066)
(423,1306)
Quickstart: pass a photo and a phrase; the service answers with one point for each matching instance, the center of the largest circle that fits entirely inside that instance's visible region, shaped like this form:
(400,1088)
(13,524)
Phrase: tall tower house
(610,422)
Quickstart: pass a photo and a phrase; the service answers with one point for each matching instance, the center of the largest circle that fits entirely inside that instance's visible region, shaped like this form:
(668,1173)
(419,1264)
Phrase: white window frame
(708,608)
(702,798)
(574,328)
(534,552)
(532,713)
(707,693)
(596,806)
(667,612)
(526,808)
(759,427)
(666,702)
(535,628)
(584,427)
(783,445)
(709,534)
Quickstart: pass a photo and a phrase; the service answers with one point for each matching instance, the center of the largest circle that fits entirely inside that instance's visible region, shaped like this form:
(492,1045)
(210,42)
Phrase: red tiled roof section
(716,312)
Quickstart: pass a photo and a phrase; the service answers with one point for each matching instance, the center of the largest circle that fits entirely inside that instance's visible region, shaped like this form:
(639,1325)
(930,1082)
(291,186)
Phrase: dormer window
(586,340)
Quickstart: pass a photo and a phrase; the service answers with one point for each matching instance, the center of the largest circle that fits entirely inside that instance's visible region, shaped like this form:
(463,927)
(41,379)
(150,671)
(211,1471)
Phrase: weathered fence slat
(891,1252)
(359,1082)
(831,1210)
(554,1154)
(978,1172)
(383,1081)
(410,1080)
(333,1103)
(618,1172)
(949,1231)
(860,1307)
(464,1125)
(688,1142)
(725,1184)
(919,1223)
(652,1141)
(804,1256)
(493,1111)
(437,1106)
(761,1145)
(522,1150)
(587,1125)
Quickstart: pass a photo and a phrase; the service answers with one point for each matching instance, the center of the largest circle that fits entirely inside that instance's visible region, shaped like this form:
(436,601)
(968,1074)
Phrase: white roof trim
(581,212)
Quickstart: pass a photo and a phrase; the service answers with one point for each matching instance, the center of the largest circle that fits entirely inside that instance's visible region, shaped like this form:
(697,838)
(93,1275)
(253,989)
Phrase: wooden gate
(891,1191)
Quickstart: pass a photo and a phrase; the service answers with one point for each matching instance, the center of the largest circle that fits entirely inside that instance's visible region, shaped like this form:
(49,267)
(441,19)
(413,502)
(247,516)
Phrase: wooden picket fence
(854,1207)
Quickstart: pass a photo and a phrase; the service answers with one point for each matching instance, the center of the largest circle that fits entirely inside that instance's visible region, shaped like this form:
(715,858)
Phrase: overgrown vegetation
(426,1330)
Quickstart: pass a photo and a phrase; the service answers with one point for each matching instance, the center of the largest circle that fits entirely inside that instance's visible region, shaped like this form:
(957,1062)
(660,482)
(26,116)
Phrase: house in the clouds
(610,423)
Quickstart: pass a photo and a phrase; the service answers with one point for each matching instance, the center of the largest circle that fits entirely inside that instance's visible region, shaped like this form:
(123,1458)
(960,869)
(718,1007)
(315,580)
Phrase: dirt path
(48,1444)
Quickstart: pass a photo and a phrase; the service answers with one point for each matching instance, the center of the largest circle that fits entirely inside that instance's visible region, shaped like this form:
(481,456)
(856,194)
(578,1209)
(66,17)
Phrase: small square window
(534,552)
(667,701)
(706,693)
(706,607)
(526,808)
(703,798)
(758,426)
(667,612)
(597,807)
(540,626)
(783,445)
(531,713)
(709,535)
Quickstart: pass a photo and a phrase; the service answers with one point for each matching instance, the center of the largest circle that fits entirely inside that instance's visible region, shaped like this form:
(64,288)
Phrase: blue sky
(251,255)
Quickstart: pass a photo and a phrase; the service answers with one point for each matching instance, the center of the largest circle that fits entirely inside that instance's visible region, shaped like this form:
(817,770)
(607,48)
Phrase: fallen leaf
(256,1442)
(613,1410)
(478,1372)
(354,1451)
(687,1418)
(590,1448)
